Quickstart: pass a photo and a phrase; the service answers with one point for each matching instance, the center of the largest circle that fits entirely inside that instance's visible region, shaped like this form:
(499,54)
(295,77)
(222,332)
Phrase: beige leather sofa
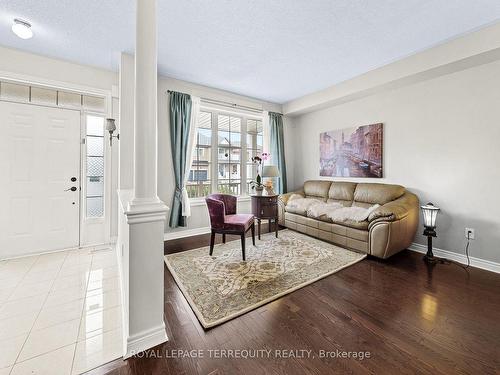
(389,229)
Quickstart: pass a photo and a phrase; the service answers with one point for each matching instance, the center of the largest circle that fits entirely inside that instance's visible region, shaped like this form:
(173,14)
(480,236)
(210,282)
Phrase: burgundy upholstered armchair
(225,220)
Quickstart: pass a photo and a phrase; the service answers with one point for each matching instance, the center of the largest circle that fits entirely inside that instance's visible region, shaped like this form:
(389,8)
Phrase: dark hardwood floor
(410,317)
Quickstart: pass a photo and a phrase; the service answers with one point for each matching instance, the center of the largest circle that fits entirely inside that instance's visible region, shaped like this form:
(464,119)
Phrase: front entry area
(40,169)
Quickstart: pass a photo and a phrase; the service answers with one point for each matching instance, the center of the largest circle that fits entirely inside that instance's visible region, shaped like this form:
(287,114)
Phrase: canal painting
(352,152)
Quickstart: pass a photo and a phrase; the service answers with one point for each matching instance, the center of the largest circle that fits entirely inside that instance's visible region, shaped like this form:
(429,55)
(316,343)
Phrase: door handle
(72,188)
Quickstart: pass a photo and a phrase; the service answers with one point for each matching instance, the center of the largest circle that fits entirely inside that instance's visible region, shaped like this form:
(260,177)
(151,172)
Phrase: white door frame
(83,90)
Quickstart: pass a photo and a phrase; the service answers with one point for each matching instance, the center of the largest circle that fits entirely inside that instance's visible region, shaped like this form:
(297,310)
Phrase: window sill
(194,202)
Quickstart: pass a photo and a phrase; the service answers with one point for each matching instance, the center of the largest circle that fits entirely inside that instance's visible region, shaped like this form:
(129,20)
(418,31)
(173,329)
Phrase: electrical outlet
(470,234)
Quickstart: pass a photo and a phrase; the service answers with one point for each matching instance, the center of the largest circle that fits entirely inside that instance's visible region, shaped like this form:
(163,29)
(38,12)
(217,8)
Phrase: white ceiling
(276,50)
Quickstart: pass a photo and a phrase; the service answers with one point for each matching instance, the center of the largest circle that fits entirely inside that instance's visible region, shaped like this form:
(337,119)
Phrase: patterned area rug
(222,286)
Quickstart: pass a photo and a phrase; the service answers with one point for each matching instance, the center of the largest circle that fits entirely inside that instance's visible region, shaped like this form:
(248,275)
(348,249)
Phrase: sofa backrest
(377,193)
(317,189)
(342,192)
(352,193)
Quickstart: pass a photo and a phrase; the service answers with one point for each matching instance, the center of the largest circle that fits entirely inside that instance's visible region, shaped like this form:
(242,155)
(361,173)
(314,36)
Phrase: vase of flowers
(257,184)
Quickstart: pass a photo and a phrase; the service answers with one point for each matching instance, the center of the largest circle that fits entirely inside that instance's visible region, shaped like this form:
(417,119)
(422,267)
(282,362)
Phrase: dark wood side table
(265,207)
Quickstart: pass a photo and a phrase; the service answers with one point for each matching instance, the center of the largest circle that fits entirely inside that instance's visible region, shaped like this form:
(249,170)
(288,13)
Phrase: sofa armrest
(282,202)
(285,197)
(395,210)
(396,230)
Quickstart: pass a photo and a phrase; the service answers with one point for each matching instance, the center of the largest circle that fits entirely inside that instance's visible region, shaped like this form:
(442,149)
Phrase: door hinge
(83,141)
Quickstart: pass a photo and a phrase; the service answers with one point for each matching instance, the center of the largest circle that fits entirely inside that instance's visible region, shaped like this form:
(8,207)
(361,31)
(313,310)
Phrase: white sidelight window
(94,188)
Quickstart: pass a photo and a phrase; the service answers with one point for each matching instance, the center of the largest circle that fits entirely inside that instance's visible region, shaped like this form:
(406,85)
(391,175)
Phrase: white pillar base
(146,327)
(145,340)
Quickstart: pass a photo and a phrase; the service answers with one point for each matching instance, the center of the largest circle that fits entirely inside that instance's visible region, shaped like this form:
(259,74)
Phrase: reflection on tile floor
(60,313)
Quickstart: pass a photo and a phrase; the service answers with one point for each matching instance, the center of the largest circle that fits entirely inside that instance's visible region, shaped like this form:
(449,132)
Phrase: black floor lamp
(430,212)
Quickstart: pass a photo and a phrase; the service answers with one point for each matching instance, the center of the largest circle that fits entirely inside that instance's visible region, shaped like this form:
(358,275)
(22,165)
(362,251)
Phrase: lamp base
(436,260)
(269,190)
(430,259)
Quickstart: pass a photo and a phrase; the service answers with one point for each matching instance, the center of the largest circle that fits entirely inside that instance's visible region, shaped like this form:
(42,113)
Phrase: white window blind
(43,96)
(14,92)
(46,96)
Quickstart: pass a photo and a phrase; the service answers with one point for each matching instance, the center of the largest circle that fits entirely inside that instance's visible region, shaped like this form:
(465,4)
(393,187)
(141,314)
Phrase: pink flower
(266,156)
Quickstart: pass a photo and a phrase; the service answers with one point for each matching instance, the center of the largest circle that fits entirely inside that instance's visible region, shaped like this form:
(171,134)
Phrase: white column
(145,214)
(126,122)
(146,77)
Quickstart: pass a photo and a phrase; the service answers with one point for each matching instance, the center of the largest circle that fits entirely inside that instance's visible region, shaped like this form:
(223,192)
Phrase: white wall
(44,68)
(472,49)
(166,184)
(442,141)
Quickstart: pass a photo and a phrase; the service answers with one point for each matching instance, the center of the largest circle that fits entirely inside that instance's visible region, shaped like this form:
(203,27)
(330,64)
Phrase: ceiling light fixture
(22,29)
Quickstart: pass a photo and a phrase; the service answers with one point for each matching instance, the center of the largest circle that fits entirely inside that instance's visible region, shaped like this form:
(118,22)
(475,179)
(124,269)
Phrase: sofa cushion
(363,225)
(346,228)
(362,204)
(300,205)
(377,193)
(342,191)
(317,188)
(294,210)
(343,203)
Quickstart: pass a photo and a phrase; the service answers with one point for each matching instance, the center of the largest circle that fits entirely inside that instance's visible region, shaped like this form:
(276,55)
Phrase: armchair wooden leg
(243,244)
(223,237)
(212,240)
(252,228)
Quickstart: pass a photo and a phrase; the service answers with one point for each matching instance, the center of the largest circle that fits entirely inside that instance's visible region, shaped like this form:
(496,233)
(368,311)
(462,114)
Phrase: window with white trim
(199,182)
(225,145)
(94,188)
(255,144)
(228,154)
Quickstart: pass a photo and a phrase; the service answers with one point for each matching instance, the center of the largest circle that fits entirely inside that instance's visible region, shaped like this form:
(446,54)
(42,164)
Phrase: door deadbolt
(72,188)
(73,179)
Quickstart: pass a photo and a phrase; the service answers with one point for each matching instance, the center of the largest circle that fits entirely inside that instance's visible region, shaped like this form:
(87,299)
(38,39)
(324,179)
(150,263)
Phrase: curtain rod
(226,104)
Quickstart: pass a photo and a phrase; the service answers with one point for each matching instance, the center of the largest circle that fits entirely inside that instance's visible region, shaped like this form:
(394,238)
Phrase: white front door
(40,179)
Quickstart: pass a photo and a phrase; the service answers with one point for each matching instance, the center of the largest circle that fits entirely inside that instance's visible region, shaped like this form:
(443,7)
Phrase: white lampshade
(270,171)
(430,215)
(110,125)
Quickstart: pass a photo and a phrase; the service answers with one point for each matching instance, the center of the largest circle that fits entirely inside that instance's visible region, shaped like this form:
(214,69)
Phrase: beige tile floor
(60,313)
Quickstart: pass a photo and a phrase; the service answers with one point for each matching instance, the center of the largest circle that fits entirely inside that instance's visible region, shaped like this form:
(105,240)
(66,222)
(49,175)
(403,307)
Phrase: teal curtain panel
(277,149)
(180,122)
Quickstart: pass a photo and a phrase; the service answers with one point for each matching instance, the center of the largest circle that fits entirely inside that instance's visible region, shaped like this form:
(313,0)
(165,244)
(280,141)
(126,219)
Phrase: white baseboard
(460,258)
(186,233)
(37,253)
(145,340)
